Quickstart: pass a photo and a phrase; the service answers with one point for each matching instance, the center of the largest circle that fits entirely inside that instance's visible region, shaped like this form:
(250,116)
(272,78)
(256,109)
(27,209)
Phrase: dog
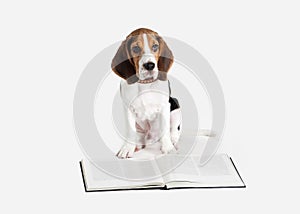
(152,115)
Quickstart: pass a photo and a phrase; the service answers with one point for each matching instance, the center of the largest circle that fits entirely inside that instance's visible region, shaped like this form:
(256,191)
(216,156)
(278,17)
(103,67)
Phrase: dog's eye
(136,49)
(155,47)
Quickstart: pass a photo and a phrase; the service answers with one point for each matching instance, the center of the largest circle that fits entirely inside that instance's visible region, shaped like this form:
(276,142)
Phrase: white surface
(253,47)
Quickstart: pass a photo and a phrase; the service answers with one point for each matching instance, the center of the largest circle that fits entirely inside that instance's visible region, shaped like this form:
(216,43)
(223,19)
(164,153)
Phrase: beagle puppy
(152,115)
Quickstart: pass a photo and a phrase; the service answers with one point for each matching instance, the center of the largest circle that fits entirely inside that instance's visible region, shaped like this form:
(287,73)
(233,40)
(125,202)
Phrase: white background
(254,48)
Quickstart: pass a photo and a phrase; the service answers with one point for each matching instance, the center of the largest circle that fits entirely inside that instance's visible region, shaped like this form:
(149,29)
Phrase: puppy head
(144,56)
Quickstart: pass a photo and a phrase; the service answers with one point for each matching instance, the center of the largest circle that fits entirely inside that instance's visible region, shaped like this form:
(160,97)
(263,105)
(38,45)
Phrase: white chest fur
(145,101)
(149,119)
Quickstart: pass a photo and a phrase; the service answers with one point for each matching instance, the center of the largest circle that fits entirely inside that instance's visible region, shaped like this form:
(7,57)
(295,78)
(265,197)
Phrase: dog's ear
(165,59)
(121,64)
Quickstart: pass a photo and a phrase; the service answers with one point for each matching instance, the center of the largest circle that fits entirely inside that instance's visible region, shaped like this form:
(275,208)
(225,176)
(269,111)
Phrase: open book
(219,172)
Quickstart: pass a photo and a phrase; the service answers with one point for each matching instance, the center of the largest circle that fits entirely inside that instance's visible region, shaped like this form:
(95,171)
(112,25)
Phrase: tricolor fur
(143,60)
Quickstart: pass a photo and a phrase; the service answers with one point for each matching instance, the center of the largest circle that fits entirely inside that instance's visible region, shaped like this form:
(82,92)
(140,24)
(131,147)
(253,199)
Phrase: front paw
(167,147)
(175,137)
(126,151)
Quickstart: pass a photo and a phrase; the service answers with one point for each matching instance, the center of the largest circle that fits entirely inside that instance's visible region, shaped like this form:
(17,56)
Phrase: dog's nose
(149,66)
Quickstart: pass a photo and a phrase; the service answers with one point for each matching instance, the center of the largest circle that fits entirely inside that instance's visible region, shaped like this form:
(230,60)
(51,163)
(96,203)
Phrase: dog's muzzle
(149,66)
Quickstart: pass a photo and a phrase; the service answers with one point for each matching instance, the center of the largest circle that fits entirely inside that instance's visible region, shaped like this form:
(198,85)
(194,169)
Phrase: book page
(219,171)
(186,168)
(95,179)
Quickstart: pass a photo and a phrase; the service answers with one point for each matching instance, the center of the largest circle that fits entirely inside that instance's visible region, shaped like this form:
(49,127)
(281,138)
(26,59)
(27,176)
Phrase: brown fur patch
(125,62)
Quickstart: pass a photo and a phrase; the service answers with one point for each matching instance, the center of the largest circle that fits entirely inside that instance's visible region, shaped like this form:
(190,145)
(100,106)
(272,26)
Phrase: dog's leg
(142,128)
(129,146)
(175,126)
(166,143)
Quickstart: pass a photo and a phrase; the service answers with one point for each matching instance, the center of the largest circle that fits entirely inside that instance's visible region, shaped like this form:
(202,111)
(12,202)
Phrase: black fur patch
(174,103)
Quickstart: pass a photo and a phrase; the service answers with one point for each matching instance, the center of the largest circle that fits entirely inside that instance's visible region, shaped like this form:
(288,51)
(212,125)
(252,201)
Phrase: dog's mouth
(147,75)
(147,80)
